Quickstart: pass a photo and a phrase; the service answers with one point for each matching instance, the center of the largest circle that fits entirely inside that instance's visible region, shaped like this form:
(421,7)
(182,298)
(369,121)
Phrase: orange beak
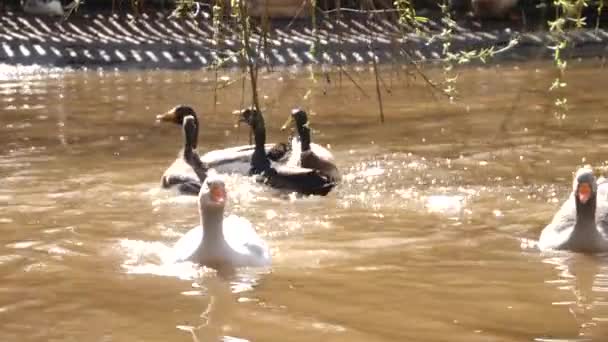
(218,194)
(584,192)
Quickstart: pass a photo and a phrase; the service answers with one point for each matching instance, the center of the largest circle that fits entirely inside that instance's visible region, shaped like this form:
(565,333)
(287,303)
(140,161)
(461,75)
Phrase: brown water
(429,238)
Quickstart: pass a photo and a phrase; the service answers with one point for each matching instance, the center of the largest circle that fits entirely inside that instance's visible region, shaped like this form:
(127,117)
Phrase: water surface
(429,238)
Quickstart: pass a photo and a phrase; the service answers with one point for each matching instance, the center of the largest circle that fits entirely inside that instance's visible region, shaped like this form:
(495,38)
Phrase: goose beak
(584,192)
(218,194)
(166,117)
(287,123)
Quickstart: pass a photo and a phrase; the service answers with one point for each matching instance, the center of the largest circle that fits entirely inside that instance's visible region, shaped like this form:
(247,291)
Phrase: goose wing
(187,246)
(237,159)
(322,152)
(557,233)
(242,238)
(313,161)
(301,180)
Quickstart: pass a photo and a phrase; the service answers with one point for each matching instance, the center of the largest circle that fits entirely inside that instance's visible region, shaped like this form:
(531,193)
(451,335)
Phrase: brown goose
(581,224)
(311,158)
(180,174)
(229,160)
(301,180)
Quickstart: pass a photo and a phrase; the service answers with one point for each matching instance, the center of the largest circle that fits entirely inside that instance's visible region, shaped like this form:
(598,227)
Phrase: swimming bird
(290,178)
(581,224)
(321,160)
(229,160)
(219,242)
(180,174)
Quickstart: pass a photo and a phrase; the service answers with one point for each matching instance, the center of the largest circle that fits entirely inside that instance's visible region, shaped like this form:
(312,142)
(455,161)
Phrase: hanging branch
(448,67)
(354,82)
(217,12)
(375,67)
(566,11)
(248,56)
(600,7)
(339,28)
(264,43)
(314,45)
(378,92)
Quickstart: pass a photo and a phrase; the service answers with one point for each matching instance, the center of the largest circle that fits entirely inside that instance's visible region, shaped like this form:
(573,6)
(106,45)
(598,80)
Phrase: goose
(283,177)
(295,158)
(321,160)
(228,160)
(581,224)
(231,160)
(218,242)
(180,174)
(238,159)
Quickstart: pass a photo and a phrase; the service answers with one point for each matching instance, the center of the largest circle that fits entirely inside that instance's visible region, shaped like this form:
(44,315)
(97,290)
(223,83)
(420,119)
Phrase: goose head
(298,117)
(213,251)
(212,197)
(584,188)
(177,114)
(251,117)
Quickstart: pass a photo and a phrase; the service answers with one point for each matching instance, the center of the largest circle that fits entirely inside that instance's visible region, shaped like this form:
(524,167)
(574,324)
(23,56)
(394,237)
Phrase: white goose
(219,243)
(581,224)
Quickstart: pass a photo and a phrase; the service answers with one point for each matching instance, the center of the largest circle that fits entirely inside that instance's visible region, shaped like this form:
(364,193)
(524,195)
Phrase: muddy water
(429,238)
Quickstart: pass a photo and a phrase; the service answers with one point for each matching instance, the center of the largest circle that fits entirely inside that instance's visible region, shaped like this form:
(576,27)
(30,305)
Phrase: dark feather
(278,151)
(186,184)
(300,180)
(309,159)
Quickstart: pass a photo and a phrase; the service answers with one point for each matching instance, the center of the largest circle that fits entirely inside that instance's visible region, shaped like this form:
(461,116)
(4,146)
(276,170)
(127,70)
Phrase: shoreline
(153,41)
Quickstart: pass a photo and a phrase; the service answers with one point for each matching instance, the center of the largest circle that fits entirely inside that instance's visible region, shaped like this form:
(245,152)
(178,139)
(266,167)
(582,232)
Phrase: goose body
(283,177)
(312,158)
(242,246)
(230,160)
(238,159)
(218,242)
(581,224)
(235,160)
(294,158)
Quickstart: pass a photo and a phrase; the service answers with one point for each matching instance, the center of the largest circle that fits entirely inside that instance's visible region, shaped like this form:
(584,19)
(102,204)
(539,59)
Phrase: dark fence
(90,38)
